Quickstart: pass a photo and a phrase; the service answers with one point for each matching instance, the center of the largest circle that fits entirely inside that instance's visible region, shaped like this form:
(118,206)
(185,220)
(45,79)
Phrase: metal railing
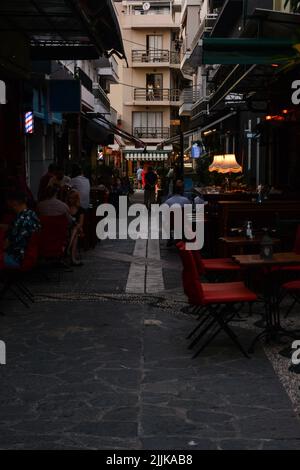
(190,95)
(156,94)
(155,56)
(100,95)
(151,132)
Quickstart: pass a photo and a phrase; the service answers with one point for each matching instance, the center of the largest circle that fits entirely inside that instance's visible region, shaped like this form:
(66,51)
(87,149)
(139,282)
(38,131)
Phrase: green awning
(244,51)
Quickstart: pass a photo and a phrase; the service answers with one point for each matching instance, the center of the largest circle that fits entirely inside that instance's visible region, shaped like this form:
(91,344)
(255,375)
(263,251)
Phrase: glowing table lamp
(230,165)
(217,163)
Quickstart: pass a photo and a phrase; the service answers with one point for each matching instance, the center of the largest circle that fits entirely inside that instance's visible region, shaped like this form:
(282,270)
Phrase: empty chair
(220,302)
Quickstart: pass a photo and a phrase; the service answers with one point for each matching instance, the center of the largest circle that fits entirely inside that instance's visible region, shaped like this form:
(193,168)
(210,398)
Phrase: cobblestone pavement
(95,364)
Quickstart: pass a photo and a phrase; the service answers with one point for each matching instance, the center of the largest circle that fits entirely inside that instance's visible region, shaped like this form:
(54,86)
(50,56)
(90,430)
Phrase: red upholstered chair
(220,300)
(53,237)
(13,278)
(216,267)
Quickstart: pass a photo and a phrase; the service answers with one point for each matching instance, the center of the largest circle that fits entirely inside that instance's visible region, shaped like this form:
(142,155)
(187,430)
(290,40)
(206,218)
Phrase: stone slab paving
(88,372)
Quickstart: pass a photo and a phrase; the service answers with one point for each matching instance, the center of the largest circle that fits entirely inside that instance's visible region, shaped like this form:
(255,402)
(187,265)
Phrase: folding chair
(221,303)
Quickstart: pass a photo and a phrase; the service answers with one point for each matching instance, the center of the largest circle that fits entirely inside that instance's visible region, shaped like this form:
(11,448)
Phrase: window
(154,47)
(154,85)
(154,42)
(147,124)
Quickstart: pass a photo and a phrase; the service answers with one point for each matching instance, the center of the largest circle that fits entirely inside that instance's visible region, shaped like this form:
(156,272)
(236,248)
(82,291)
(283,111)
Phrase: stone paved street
(95,365)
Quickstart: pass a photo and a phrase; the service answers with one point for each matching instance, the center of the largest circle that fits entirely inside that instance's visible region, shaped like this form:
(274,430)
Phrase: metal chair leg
(203,332)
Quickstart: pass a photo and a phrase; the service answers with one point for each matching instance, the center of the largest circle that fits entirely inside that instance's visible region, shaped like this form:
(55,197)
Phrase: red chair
(13,278)
(216,266)
(53,237)
(221,301)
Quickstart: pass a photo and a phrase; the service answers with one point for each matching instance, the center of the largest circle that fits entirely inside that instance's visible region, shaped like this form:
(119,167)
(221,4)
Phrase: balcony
(152,133)
(160,16)
(188,98)
(158,97)
(190,60)
(157,57)
(108,69)
(102,101)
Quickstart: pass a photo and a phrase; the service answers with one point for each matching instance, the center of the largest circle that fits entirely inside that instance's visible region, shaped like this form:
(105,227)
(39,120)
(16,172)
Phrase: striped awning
(155,156)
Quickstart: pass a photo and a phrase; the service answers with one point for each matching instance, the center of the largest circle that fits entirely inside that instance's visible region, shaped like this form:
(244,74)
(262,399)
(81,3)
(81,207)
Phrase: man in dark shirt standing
(150,186)
(19,233)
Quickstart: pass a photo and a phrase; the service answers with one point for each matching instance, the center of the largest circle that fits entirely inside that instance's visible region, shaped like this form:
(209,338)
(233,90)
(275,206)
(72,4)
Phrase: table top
(246,241)
(282,259)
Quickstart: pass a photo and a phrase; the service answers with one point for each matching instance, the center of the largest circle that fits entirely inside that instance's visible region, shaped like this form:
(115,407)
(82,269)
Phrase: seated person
(62,182)
(77,214)
(20,231)
(178,196)
(51,206)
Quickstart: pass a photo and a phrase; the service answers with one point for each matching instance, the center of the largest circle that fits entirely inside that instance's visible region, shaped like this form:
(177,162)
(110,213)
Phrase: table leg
(273,330)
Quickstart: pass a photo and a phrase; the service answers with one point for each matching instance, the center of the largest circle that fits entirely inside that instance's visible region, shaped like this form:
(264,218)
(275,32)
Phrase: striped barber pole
(29,123)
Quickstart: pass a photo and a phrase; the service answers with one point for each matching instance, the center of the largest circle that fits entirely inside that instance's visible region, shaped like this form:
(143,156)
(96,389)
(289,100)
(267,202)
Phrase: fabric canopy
(240,51)
(154,156)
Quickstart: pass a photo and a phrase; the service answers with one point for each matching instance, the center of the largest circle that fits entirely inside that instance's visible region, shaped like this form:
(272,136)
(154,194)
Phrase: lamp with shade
(217,163)
(226,164)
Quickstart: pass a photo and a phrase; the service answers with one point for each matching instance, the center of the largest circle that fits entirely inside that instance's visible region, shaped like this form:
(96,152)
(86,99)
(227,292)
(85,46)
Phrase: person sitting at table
(20,231)
(77,214)
(62,182)
(81,184)
(177,198)
(52,206)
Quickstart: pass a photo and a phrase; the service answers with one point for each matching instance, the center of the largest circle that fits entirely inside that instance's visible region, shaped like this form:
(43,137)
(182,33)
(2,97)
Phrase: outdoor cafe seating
(46,246)
(266,279)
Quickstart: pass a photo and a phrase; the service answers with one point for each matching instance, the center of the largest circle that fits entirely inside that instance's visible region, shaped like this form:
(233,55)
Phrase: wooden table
(241,243)
(279,259)
(273,329)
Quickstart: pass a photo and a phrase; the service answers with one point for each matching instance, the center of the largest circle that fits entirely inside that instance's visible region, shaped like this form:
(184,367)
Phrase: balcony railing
(190,95)
(156,56)
(161,94)
(151,132)
(100,95)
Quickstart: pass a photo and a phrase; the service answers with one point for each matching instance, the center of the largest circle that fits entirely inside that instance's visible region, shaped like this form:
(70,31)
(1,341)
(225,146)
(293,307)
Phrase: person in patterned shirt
(19,233)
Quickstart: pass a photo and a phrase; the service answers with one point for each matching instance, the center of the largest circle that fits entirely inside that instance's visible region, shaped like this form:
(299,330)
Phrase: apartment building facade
(233,94)
(153,81)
